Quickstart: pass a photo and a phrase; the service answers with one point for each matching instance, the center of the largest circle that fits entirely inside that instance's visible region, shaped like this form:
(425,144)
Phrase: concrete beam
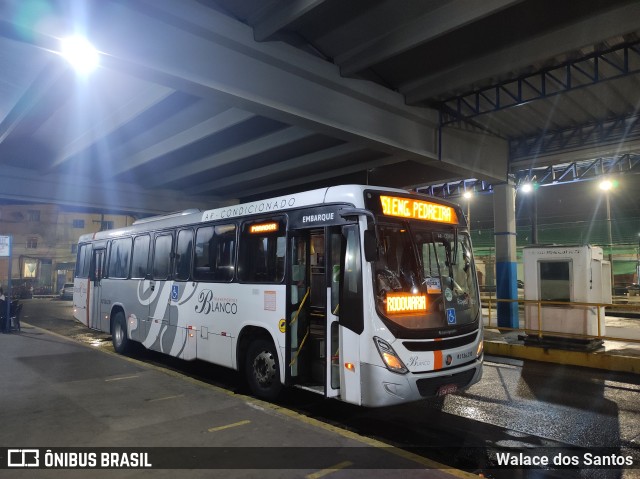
(21,184)
(183,138)
(310,160)
(590,31)
(333,173)
(285,14)
(434,24)
(484,154)
(225,157)
(191,48)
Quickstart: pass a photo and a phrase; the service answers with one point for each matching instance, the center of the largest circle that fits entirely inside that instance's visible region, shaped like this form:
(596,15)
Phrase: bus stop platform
(64,403)
(620,355)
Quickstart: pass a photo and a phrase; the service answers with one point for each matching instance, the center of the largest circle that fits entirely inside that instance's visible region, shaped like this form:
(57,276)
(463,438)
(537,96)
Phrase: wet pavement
(619,351)
(531,406)
(65,399)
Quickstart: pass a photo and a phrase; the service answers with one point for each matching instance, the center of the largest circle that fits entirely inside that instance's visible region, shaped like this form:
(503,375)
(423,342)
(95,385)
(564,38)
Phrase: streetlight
(467,196)
(607,186)
(638,261)
(528,188)
(80,53)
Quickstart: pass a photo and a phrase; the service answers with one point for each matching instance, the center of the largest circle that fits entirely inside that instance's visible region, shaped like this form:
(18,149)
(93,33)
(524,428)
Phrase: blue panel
(507,288)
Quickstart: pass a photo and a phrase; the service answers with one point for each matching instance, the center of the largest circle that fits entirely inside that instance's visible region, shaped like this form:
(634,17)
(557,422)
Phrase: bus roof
(348,194)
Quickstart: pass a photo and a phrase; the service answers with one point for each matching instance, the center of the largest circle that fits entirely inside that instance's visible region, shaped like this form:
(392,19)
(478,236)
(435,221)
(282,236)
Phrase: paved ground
(518,404)
(58,393)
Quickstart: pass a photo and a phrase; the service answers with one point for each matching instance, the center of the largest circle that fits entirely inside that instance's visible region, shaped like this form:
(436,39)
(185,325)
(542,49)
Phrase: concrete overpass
(198,103)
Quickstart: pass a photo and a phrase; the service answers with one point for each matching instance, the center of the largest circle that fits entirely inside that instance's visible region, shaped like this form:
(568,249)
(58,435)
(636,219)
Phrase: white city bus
(364,294)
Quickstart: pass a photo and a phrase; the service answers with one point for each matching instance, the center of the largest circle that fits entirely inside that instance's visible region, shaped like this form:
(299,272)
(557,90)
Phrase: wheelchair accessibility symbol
(451,316)
(174,292)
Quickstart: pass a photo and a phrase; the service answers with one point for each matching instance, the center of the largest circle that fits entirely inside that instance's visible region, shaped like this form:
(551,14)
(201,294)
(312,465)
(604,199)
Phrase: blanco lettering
(208,304)
(414,361)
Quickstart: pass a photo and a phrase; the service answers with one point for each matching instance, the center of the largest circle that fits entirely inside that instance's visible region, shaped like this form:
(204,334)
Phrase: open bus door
(312,331)
(332,371)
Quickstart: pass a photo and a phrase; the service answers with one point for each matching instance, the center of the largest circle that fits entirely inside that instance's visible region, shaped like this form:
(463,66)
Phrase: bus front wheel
(119,337)
(262,370)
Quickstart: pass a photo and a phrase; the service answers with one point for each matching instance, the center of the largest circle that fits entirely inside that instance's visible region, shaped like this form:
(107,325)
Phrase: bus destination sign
(258,228)
(417,209)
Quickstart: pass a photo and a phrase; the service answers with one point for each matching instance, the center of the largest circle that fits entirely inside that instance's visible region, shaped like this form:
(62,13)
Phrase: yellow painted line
(427,463)
(423,461)
(229,426)
(166,398)
(330,470)
(121,378)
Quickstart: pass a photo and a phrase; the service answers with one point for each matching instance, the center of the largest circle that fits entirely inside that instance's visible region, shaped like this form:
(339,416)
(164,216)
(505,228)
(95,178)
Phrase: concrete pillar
(504,220)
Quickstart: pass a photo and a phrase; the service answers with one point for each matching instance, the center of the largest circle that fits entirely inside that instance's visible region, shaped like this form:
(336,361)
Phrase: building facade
(44,242)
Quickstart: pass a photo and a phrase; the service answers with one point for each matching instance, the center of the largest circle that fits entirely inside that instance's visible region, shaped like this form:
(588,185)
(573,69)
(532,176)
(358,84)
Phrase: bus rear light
(389,356)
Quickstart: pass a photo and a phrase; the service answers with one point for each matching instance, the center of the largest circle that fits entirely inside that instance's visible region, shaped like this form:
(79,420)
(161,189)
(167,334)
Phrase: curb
(597,360)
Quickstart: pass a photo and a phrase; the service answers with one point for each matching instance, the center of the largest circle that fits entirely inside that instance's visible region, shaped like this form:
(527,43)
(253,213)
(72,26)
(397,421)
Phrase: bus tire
(262,370)
(121,342)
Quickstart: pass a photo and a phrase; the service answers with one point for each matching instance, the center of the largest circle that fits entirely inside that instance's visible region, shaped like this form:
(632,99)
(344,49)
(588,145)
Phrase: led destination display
(405,303)
(417,209)
(264,228)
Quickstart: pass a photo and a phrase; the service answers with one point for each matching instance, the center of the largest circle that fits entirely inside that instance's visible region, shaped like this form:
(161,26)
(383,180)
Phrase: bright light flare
(526,188)
(80,53)
(467,195)
(606,185)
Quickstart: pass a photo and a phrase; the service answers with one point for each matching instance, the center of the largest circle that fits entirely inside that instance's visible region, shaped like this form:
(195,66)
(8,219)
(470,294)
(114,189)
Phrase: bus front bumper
(381,387)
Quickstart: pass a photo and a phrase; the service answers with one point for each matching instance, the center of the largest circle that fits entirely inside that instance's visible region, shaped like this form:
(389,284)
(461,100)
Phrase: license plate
(446,389)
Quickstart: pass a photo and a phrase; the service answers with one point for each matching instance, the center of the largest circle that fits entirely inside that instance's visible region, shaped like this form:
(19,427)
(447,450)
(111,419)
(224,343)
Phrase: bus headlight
(480,349)
(389,356)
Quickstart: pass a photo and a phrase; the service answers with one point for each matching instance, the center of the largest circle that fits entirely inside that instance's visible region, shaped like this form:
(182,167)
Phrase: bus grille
(439,345)
(428,387)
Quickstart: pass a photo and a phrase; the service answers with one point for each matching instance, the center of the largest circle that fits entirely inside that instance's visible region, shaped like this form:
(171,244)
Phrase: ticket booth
(566,275)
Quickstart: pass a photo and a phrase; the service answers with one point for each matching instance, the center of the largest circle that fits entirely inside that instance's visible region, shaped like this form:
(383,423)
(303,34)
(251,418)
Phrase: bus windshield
(425,278)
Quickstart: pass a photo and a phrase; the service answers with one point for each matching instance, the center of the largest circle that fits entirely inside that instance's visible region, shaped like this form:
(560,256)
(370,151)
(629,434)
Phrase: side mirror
(370,245)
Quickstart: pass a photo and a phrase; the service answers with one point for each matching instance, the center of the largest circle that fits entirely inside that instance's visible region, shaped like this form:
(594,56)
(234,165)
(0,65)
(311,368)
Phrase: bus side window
(203,262)
(97,264)
(184,248)
(215,253)
(140,258)
(84,261)
(224,252)
(119,258)
(262,251)
(162,257)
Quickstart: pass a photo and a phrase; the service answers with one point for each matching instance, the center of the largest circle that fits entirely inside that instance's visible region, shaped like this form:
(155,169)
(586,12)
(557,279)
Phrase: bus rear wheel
(121,342)
(262,370)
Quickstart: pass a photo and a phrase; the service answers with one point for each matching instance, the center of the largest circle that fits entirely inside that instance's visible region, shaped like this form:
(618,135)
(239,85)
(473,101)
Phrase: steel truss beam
(550,175)
(606,132)
(580,170)
(597,67)
(457,188)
